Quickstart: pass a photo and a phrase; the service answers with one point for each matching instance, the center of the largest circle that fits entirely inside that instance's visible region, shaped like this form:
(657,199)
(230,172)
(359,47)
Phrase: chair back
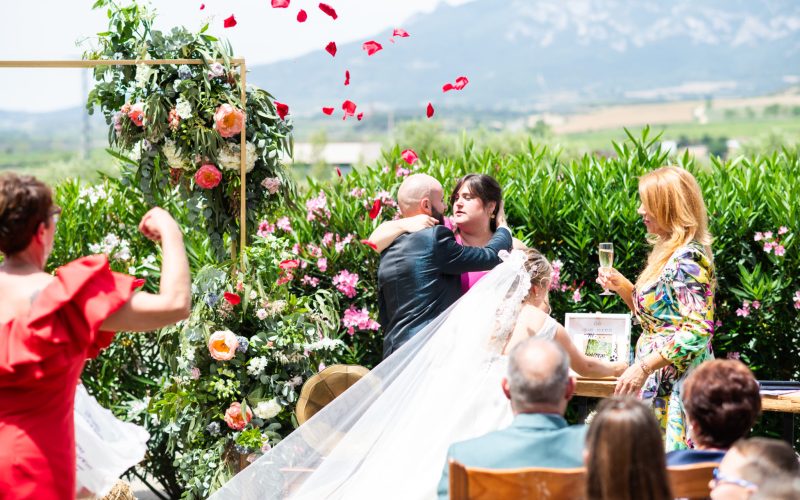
(477,483)
(691,481)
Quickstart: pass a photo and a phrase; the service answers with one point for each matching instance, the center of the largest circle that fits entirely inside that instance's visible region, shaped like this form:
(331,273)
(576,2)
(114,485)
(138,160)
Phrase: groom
(420,273)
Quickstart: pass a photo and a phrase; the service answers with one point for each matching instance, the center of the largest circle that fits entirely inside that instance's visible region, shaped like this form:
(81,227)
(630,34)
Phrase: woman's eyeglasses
(720,478)
(55,214)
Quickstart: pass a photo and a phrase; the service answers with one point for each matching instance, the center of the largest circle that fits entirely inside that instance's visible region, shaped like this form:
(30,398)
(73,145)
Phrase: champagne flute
(606,251)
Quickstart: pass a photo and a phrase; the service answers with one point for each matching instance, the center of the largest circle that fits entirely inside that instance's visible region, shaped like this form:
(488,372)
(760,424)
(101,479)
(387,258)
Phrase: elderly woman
(50,325)
(673,298)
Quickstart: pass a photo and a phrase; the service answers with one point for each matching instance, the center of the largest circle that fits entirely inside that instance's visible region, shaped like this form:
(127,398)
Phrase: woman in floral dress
(673,297)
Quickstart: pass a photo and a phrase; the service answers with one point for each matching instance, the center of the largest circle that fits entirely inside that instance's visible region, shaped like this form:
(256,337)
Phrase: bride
(388,434)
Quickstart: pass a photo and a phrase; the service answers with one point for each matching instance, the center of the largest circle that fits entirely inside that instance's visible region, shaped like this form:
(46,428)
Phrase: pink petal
(229,22)
(347,77)
(461,82)
(371,47)
(202,6)
(327,111)
(409,156)
(280,4)
(349,108)
(447,86)
(360,116)
(429,111)
(400,32)
(328,10)
(302,16)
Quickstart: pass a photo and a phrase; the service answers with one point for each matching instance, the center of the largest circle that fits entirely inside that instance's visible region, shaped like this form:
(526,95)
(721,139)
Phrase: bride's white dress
(387,436)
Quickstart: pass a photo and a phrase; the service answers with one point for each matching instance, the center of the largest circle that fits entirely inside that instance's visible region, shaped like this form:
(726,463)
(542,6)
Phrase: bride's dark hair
(538,267)
(484,187)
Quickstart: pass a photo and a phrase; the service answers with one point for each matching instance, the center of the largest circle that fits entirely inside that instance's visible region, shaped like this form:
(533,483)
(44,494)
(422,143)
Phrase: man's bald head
(538,374)
(420,194)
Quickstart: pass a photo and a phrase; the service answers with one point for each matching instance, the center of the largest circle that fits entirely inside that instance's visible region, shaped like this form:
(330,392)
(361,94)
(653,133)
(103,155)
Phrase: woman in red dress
(50,325)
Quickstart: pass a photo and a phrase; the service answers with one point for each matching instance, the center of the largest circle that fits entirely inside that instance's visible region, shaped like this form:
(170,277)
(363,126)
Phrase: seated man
(722,402)
(539,387)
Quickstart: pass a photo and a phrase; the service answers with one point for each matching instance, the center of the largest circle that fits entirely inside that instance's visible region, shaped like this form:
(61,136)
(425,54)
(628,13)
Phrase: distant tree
(772,110)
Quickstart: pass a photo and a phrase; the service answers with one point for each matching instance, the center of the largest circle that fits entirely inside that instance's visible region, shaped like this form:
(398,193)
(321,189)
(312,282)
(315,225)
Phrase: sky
(49,29)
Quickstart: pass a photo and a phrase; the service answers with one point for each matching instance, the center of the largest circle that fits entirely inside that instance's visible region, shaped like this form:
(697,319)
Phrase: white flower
(183,108)
(256,366)
(324,343)
(266,410)
(261,313)
(253,295)
(229,157)
(171,153)
(143,74)
(131,270)
(92,194)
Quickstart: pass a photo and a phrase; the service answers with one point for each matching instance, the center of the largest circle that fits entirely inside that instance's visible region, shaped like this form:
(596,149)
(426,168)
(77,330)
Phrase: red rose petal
(375,210)
(302,16)
(347,77)
(331,48)
(429,111)
(338,170)
(370,244)
(232,298)
(447,86)
(202,6)
(371,47)
(349,108)
(282,109)
(328,10)
(360,116)
(327,111)
(138,283)
(409,156)
(461,82)
(400,32)
(230,22)
(280,4)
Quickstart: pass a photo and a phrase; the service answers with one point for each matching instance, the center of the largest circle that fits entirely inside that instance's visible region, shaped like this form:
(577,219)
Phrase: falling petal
(349,108)
(331,48)
(328,10)
(282,109)
(375,210)
(327,111)
(429,111)
(302,16)
(230,22)
(360,116)
(400,32)
(371,47)
(280,4)
(347,77)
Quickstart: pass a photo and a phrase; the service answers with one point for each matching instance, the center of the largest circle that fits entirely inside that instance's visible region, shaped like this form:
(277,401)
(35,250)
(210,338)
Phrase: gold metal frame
(239,61)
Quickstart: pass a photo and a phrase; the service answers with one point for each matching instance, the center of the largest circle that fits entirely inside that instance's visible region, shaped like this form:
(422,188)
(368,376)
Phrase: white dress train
(387,436)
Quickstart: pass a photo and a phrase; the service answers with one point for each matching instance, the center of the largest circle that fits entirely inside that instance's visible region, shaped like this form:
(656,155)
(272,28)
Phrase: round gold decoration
(324,387)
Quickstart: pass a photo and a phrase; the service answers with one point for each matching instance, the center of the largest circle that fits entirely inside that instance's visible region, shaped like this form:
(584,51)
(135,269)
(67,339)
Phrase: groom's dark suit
(420,276)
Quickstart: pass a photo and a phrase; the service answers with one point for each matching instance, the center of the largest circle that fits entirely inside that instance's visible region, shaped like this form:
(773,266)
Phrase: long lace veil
(392,428)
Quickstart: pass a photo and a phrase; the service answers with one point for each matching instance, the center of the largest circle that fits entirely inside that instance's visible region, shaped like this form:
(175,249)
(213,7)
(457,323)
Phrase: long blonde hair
(671,195)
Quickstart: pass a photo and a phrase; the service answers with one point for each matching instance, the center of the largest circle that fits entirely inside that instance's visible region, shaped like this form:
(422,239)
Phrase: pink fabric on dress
(468,280)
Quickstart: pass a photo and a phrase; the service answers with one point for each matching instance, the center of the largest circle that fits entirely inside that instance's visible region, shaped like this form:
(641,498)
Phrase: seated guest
(777,487)
(748,464)
(722,402)
(539,387)
(625,453)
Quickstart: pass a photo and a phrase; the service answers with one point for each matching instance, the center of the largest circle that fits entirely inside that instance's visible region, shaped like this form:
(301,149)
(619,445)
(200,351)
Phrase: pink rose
(222,345)
(234,417)
(208,176)
(136,114)
(228,120)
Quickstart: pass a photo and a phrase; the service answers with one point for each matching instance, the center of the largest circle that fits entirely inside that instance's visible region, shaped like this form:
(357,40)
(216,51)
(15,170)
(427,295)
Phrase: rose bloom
(228,120)
(136,114)
(222,345)
(234,417)
(208,176)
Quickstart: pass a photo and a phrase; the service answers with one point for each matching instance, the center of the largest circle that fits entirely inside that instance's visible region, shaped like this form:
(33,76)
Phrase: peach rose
(136,114)
(234,417)
(228,120)
(222,345)
(208,176)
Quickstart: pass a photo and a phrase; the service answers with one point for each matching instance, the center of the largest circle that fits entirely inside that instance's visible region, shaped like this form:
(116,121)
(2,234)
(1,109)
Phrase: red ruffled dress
(41,358)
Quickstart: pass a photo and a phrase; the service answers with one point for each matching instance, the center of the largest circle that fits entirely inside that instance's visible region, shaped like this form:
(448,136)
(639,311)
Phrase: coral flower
(234,417)
(208,176)
(228,120)
(136,114)
(222,345)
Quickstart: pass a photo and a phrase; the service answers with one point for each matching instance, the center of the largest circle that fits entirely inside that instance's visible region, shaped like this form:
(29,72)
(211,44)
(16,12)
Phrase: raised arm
(584,365)
(384,235)
(146,311)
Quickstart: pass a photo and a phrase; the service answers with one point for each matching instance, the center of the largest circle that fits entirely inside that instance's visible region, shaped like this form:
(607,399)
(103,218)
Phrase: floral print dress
(676,313)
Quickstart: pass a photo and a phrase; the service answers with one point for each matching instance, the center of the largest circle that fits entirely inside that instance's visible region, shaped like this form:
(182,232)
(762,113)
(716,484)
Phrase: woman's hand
(501,216)
(631,381)
(156,222)
(611,279)
(619,367)
(417,223)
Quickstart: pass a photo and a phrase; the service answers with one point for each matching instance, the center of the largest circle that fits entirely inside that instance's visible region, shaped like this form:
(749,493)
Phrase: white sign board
(602,336)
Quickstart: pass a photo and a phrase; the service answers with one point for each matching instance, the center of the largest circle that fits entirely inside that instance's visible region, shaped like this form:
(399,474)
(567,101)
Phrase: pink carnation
(234,417)
(386,199)
(779,250)
(783,230)
(346,283)
(357,192)
(402,172)
(341,243)
(354,319)
(318,208)
(768,235)
(322,264)
(758,236)
(265,228)
(314,250)
(308,280)
(756,304)
(768,246)
(284,224)
(327,239)
(743,312)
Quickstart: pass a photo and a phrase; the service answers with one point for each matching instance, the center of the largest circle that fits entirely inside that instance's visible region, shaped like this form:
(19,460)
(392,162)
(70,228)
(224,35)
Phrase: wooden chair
(476,483)
(691,481)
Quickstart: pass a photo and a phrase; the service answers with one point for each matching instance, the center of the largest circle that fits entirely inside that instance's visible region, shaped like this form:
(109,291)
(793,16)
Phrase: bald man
(539,388)
(420,273)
